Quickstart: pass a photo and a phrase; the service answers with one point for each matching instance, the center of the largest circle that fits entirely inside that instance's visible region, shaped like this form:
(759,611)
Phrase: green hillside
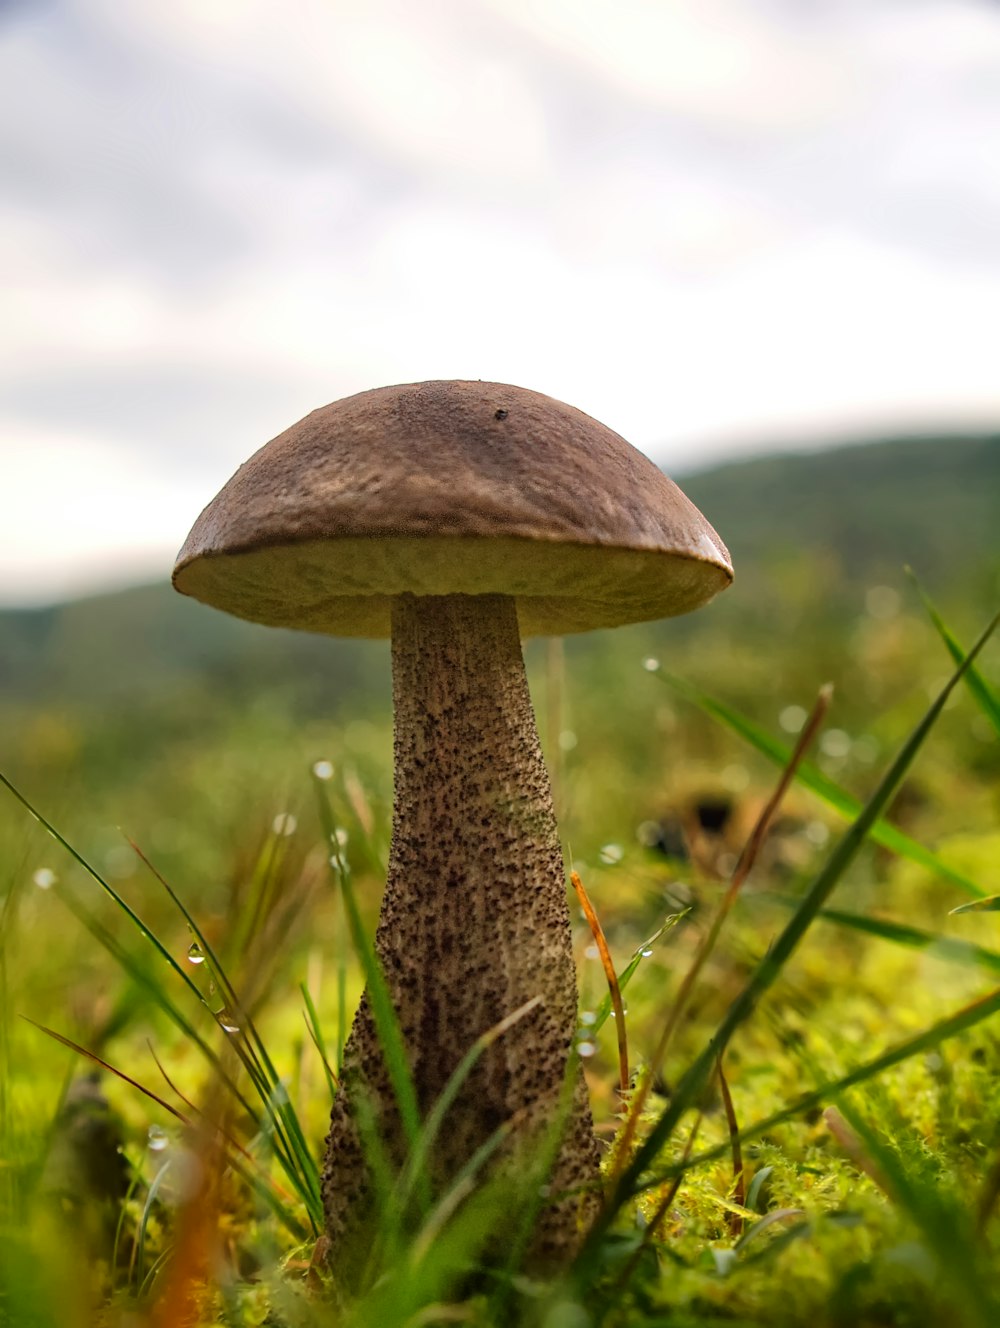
(933,503)
(820,526)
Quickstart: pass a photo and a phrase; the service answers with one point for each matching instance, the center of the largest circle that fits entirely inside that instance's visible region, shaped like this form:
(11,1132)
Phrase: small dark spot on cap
(501,414)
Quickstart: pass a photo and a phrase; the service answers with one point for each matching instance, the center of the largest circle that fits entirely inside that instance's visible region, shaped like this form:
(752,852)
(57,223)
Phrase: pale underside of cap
(451,488)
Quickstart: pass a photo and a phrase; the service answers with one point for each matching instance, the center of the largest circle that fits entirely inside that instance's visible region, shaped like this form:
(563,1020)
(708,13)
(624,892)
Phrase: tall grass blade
(286,1131)
(603,1012)
(691,1086)
(928,1040)
(383,1011)
(741,871)
(984,696)
(316,1034)
(949,948)
(948,1236)
(295,1159)
(812,778)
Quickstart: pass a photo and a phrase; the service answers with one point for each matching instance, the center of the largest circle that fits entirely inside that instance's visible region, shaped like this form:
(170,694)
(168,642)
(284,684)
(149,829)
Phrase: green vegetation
(852,1008)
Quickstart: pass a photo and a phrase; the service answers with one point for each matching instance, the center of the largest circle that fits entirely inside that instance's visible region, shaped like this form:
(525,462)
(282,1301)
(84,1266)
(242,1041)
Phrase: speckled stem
(474,918)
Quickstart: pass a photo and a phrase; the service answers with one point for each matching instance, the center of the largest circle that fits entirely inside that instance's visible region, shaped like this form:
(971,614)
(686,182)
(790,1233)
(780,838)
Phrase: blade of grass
(662,1208)
(741,871)
(291,1147)
(383,1011)
(941,1220)
(603,1012)
(133,917)
(982,693)
(417,1161)
(305,1183)
(540,1167)
(812,778)
(104,1065)
(949,948)
(692,1084)
(928,1040)
(147,1212)
(255,1179)
(316,1034)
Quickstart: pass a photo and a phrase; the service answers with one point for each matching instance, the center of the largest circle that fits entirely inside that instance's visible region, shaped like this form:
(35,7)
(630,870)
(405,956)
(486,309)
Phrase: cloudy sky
(720,226)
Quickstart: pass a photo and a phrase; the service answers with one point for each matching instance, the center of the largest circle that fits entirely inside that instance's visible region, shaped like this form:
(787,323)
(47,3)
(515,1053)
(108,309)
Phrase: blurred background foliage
(144,716)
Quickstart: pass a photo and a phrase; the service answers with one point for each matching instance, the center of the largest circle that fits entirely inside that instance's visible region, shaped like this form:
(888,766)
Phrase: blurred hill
(808,534)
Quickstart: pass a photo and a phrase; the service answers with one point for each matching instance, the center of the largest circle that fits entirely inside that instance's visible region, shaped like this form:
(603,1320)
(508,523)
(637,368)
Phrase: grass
(807,1133)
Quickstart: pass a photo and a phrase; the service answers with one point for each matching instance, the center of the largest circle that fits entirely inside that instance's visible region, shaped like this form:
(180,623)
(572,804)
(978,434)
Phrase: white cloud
(86,514)
(709,224)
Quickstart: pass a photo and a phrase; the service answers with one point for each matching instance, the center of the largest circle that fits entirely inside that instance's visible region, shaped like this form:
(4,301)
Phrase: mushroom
(458,517)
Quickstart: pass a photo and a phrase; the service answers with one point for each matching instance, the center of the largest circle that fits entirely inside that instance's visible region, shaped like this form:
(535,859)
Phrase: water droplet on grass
(651,665)
(586,1048)
(285,824)
(611,854)
(196,955)
(44,878)
(323,769)
(226,1021)
(157,1138)
(588,1017)
(645,953)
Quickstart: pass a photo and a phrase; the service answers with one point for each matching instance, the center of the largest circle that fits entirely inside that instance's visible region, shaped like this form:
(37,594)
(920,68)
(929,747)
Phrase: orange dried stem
(597,931)
(740,873)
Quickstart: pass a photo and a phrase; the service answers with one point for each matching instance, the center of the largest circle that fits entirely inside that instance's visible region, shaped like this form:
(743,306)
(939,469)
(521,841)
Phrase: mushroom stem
(474,919)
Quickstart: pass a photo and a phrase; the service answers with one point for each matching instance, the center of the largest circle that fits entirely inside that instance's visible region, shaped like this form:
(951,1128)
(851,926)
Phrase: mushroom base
(474,924)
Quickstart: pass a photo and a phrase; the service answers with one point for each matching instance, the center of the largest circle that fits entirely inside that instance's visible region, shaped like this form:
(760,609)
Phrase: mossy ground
(884,1218)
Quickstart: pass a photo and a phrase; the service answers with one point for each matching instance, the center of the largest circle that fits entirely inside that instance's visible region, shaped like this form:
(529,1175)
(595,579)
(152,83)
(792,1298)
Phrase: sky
(719,226)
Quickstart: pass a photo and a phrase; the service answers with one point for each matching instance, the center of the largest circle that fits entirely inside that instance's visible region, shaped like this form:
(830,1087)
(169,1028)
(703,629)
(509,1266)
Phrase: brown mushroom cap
(446,488)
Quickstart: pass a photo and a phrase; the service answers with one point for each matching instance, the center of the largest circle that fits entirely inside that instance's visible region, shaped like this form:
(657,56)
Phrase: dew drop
(611,854)
(592,952)
(196,955)
(157,1138)
(44,878)
(226,1021)
(285,824)
(645,953)
(586,1048)
(882,602)
(651,665)
(817,833)
(588,1017)
(792,718)
(323,769)
(835,743)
